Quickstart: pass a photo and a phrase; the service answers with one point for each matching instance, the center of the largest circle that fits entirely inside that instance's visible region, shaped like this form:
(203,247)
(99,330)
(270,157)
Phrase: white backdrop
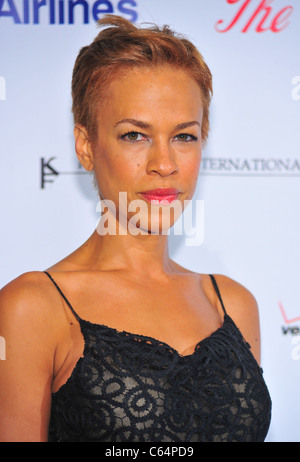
(250,172)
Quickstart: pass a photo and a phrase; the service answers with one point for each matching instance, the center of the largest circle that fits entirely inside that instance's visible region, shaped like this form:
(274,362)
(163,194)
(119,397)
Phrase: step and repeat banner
(249,183)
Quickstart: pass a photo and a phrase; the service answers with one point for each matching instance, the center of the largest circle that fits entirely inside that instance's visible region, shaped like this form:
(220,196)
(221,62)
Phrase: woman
(117,342)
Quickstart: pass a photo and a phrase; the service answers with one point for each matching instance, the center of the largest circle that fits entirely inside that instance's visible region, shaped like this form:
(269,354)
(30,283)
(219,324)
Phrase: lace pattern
(131,388)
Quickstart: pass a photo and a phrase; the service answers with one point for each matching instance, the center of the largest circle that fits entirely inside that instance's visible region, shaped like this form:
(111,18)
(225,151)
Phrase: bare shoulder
(26,283)
(28,306)
(236,295)
(241,305)
(26,297)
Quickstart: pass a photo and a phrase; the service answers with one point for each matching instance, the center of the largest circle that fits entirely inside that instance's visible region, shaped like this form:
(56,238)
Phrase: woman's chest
(178,312)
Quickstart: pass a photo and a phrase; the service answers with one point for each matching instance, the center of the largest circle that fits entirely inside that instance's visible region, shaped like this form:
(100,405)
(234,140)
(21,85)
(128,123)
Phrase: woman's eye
(186,137)
(133,136)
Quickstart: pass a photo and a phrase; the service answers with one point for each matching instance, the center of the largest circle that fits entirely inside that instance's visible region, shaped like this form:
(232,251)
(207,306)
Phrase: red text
(264,14)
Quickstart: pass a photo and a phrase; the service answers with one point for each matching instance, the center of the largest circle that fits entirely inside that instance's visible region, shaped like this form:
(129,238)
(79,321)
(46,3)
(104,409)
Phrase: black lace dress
(132,388)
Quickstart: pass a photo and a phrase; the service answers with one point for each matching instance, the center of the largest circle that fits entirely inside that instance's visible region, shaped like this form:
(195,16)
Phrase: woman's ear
(83,147)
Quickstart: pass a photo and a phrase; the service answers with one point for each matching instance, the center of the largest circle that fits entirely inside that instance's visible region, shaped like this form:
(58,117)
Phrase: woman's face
(149,138)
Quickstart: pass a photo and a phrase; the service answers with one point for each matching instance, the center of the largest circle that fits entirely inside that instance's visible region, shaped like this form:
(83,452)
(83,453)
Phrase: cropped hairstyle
(124,46)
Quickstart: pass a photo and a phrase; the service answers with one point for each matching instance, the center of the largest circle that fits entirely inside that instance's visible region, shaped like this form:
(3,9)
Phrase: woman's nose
(162,159)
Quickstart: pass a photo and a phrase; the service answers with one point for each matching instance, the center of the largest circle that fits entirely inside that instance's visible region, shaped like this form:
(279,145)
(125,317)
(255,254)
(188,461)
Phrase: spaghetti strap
(214,282)
(63,296)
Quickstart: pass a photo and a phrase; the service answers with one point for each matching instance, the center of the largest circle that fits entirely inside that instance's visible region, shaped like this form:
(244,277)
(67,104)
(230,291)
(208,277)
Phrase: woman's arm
(26,373)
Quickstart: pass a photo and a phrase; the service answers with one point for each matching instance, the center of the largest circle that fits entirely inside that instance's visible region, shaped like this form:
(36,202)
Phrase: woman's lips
(161,195)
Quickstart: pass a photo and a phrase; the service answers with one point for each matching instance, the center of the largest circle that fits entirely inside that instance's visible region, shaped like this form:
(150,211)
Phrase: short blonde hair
(123,46)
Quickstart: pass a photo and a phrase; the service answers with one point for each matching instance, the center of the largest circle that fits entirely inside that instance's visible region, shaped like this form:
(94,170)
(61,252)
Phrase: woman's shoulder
(236,297)
(233,291)
(241,305)
(28,300)
(30,286)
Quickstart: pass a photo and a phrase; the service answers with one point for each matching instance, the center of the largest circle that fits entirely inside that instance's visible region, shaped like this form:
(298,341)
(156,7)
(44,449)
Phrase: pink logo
(285,318)
(263,17)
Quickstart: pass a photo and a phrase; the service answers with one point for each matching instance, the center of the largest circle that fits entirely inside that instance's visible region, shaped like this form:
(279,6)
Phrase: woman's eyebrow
(187,124)
(137,123)
(141,124)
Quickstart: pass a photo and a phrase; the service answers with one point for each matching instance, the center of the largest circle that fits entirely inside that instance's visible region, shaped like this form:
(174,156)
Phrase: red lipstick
(161,195)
